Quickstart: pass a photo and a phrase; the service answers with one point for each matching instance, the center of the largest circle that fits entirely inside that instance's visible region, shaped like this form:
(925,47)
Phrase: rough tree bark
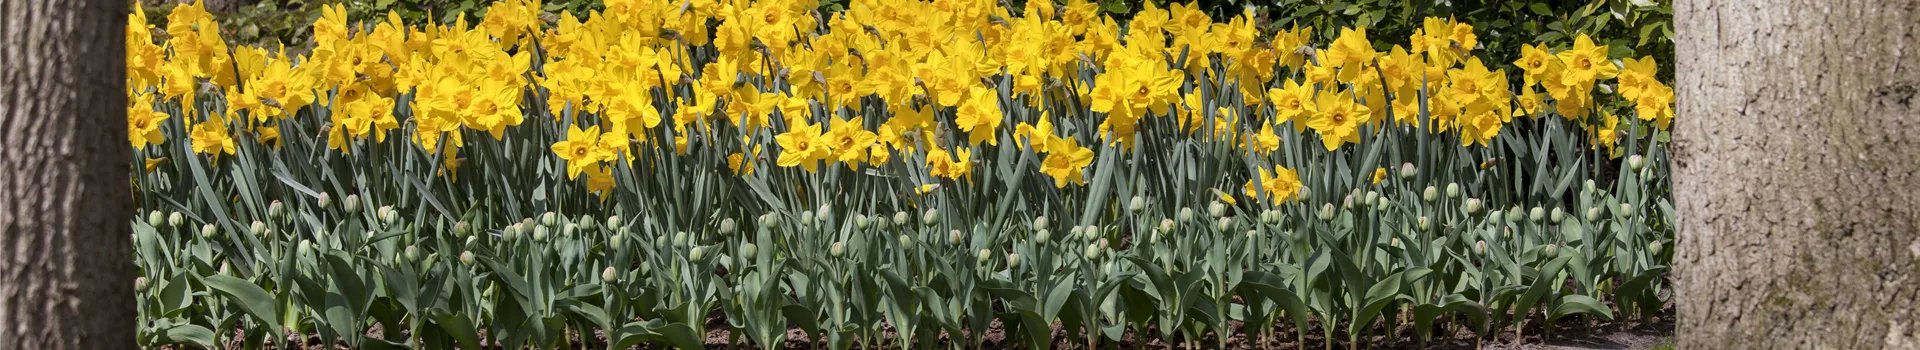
(66,265)
(1797,174)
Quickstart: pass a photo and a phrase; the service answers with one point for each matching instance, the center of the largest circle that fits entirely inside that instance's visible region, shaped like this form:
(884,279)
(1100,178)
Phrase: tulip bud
(1305,194)
(1224,224)
(860,221)
(1594,214)
(1422,223)
(1431,194)
(352,205)
(824,214)
(473,241)
(609,275)
(412,254)
(953,237)
(208,231)
(1655,247)
(569,230)
(1515,214)
(1395,243)
(1626,210)
(1347,204)
(306,248)
(1591,188)
(838,249)
(1040,222)
(462,228)
(615,241)
(325,200)
(1472,206)
(176,220)
(140,284)
(1041,235)
(1186,215)
(1166,225)
(1453,191)
(259,228)
(1270,217)
(389,215)
(1075,232)
(1373,198)
(1636,162)
(1383,204)
(906,242)
(1550,250)
(1480,247)
(680,239)
(1137,204)
(1407,171)
(1326,212)
(1217,209)
(1093,251)
(985,256)
(540,234)
(900,218)
(806,219)
(697,254)
(156,218)
(613,222)
(586,222)
(466,258)
(1537,214)
(749,250)
(931,217)
(276,210)
(1013,260)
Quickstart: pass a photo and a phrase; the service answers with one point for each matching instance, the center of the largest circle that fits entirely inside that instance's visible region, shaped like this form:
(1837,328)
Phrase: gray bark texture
(66,259)
(1797,174)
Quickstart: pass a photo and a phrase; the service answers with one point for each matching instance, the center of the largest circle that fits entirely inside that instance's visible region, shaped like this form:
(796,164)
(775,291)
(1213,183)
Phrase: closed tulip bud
(1537,214)
(1480,247)
(208,231)
(860,221)
(697,254)
(1373,198)
(953,237)
(1347,203)
(1655,247)
(749,250)
(389,216)
(276,210)
(1217,209)
(1305,194)
(609,275)
(569,230)
(1166,225)
(1591,188)
(879,222)
(1496,215)
(905,242)
(614,242)
(1013,260)
(930,217)
(325,200)
(510,233)
(306,248)
(1626,210)
(1594,214)
(1557,215)
(1635,162)
(1383,204)
(1039,222)
(466,258)
(473,241)
(838,249)
(1407,171)
(1251,234)
(539,233)
(985,256)
(176,220)
(1093,251)
(1186,215)
(680,239)
(1154,237)
(1326,212)
(1075,232)
(463,228)
(625,231)
(1550,251)
(613,222)
(412,254)
(258,228)
(1102,243)
(585,223)
(1646,173)
(1269,217)
(824,214)
(1422,223)
(156,218)
(1472,206)
(352,205)
(1515,214)
(900,218)
(1431,194)
(806,219)
(140,284)
(1453,191)
(1224,224)
(1395,243)
(1137,204)
(1041,235)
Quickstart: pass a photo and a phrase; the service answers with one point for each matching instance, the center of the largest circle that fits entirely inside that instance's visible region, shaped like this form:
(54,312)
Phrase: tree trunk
(1797,174)
(66,259)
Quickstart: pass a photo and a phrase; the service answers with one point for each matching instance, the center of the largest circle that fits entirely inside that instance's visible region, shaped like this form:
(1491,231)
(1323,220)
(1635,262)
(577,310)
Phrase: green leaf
(1580,304)
(187,334)
(252,299)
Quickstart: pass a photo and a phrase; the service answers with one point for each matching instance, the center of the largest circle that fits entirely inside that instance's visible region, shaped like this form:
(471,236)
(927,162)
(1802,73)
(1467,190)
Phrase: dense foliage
(884,175)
